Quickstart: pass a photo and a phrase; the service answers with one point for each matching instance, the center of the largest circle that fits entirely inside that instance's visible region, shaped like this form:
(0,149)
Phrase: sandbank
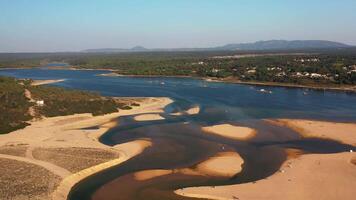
(231,131)
(225,164)
(45,82)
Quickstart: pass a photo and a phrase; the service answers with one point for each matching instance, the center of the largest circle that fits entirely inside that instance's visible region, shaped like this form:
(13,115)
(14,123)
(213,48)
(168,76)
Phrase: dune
(148,117)
(230,131)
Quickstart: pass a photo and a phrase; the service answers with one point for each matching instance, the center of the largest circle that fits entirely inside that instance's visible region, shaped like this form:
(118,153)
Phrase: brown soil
(14,150)
(74,159)
(30,182)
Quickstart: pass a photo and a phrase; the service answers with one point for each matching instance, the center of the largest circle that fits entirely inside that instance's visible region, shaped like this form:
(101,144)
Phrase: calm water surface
(178,141)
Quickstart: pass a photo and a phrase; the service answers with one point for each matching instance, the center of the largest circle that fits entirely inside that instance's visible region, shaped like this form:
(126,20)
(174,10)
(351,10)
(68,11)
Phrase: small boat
(265,91)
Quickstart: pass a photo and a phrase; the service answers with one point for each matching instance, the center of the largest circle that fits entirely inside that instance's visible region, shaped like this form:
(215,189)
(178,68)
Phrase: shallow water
(178,141)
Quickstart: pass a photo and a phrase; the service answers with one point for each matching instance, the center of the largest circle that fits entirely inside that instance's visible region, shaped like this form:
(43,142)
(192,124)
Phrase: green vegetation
(59,102)
(15,106)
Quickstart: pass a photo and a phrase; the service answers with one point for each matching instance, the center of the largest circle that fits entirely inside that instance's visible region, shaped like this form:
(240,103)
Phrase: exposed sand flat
(191,111)
(148,117)
(343,132)
(310,177)
(223,164)
(230,131)
(45,82)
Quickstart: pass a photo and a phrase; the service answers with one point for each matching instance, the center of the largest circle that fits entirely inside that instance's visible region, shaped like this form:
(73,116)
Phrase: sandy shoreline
(67,132)
(45,82)
(308,177)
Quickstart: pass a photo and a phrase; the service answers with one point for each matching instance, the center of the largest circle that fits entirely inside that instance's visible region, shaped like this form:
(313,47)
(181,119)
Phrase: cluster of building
(351,69)
(304,60)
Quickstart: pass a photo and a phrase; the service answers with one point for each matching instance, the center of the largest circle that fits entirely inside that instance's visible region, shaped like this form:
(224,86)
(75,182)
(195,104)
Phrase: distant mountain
(284,45)
(116,50)
(260,45)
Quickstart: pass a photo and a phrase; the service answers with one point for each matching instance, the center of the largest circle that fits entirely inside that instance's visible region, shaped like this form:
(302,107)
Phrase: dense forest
(15,105)
(312,67)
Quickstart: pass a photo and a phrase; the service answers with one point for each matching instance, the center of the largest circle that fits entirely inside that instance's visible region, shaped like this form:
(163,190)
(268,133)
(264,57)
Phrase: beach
(300,177)
(50,145)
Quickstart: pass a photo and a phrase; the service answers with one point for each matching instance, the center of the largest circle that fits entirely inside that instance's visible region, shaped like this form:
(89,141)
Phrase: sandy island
(230,131)
(50,143)
(308,177)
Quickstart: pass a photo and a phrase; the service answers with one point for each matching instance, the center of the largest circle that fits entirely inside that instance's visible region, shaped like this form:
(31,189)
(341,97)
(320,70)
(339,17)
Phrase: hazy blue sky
(66,25)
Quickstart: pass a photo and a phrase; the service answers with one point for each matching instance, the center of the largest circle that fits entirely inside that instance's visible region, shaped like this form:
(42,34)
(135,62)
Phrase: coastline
(113,73)
(68,133)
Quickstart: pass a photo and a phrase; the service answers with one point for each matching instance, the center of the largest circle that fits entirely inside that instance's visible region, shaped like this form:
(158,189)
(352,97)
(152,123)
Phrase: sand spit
(230,131)
(45,82)
(148,117)
(322,177)
(343,132)
(62,134)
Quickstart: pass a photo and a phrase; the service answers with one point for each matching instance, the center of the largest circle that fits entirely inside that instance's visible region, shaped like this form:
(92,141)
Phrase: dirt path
(31,109)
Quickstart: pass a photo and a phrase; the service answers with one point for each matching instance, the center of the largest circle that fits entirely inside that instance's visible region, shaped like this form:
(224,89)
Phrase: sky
(73,25)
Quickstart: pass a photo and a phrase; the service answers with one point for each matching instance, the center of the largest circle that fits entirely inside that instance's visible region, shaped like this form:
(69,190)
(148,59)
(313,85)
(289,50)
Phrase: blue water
(178,141)
(230,101)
